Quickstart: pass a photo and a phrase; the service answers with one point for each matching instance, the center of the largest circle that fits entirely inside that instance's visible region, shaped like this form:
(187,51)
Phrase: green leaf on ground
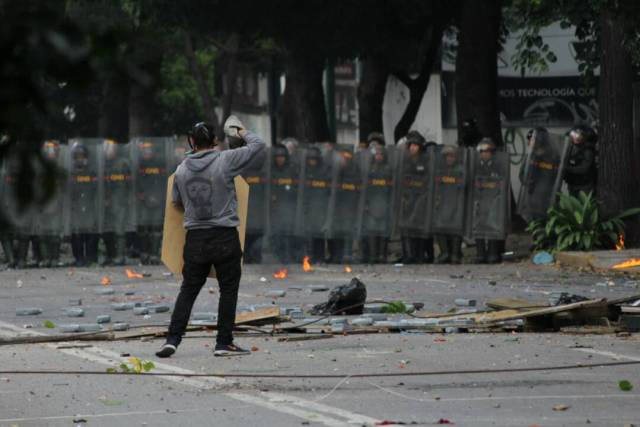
(625,385)
(49,324)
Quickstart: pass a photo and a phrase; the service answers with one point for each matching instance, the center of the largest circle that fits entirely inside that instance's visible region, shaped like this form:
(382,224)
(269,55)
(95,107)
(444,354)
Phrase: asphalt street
(546,398)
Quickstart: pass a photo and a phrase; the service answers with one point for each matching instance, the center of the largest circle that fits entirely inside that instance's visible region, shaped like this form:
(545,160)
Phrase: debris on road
(344,299)
(28,311)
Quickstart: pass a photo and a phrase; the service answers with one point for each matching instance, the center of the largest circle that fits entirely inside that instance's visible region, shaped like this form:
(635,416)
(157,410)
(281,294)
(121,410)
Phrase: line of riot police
(105,192)
(343,204)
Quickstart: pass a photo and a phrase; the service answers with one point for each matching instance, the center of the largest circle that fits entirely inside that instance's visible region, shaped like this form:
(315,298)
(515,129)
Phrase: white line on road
(286,404)
(607,353)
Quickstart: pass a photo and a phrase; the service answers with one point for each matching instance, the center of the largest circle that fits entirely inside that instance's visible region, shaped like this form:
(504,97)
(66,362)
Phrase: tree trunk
(476,79)
(141,101)
(418,86)
(371,95)
(619,167)
(114,111)
(206,98)
(303,113)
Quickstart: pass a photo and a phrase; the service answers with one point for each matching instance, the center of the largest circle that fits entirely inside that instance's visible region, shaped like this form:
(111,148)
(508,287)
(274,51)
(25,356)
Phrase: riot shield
(152,163)
(283,178)
(451,178)
(50,218)
(414,174)
(345,209)
(177,152)
(313,202)
(541,174)
(116,170)
(378,193)
(83,196)
(489,195)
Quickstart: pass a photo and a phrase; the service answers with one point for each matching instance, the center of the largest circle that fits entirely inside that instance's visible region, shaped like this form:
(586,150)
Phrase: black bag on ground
(352,294)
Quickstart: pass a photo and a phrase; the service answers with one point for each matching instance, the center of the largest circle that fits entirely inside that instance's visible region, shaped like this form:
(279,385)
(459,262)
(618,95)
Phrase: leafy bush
(575,223)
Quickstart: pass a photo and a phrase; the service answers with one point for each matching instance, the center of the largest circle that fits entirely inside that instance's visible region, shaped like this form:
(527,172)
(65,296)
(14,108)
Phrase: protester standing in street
(204,187)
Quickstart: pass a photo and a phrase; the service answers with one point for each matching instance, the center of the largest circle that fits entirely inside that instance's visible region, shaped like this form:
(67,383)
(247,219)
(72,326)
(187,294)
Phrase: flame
(632,262)
(133,275)
(105,281)
(306,265)
(281,274)
(620,243)
(347,269)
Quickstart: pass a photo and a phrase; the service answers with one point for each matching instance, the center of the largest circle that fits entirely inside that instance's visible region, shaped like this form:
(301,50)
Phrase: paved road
(507,399)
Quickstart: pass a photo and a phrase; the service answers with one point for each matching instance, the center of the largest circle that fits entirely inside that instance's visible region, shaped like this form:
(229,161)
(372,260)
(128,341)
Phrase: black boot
(22,251)
(408,257)
(417,248)
(155,247)
(109,240)
(455,243)
(495,252)
(45,252)
(77,248)
(54,250)
(444,257)
(7,248)
(481,251)
(120,248)
(427,244)
(91,242)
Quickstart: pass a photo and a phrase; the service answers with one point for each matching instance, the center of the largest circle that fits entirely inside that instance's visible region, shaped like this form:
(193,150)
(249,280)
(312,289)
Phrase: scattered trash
(158,308)
(462,302)
(140,311)
(560,407)
(263,279)
(561,298)
(29,311)
(74,312)
(120,326)
(19,283)
(167,274)
(543,258)
(122,306)
(105,291)
(104,318)
(205,316)
(318,288)
(74,301)
(362,321)
(350,297)
(276,293)
(74,327)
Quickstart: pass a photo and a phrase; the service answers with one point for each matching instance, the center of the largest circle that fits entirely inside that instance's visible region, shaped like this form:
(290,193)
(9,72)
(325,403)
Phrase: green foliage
(135,365)
(625,385)
(48,324)
(575,223)
(395,307)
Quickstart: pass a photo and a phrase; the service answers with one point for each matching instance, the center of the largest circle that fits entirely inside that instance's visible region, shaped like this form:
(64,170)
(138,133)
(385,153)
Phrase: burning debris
(133,275)
(620,242)
(306,265)
(281,274)
(106,281)
(632,262)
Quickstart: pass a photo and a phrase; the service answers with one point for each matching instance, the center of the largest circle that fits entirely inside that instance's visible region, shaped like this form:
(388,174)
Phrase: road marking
(542,397)
(89,416)
(286,404)
(607,353)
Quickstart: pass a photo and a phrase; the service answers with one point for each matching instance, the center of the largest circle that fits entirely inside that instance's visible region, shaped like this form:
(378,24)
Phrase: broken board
(174,234)
(514,303)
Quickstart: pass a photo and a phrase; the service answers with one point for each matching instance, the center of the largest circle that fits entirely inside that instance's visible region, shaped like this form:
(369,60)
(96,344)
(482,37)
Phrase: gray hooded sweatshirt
(203,184)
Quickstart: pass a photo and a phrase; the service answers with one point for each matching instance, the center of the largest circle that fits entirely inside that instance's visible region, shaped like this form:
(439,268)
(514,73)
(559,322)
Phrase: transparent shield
(449,192)
(489,195)
(378,193)
(541,175)
(415,191)
(84,186)
(152,164)
(315,193)
(344,207)
(117,172)
(49,219)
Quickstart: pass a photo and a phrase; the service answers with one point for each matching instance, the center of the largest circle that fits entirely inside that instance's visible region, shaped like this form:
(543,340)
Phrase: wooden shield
(173,233)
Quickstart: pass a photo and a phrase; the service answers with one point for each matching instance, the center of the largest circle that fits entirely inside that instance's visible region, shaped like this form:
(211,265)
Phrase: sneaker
(229,350)
(167,350)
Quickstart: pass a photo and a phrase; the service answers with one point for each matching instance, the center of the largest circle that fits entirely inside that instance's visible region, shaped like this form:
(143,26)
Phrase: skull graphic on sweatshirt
(200,194)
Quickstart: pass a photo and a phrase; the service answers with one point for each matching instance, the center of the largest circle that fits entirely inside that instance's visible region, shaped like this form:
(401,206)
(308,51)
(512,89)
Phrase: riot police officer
(417,245)
(151,181)
(283,203)
(84,205)
(580,171)
(118,189)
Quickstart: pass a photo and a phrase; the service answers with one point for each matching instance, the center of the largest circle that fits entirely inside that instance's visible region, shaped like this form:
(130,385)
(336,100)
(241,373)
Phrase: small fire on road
(105,281)
(306,265)
(620,242)
(632,262)
(133,275)
(281,274)
(347,269)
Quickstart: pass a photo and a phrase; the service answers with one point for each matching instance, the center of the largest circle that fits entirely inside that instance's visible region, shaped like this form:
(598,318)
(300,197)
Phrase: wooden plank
(631,310)
(514,303)
(260,314)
